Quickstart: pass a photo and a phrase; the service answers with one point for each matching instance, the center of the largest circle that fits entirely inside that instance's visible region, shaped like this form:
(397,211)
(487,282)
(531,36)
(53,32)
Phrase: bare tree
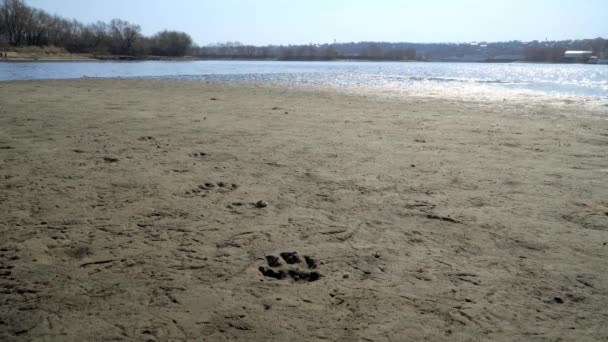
(3,35)
(170,43)
(124,35)
(15,17)
(36,32)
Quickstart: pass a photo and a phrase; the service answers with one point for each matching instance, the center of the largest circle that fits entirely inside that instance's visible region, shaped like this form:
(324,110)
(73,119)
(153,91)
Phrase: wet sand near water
(144,210)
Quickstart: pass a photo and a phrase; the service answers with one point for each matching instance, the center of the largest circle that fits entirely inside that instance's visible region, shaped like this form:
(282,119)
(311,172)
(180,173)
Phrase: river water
(460,79)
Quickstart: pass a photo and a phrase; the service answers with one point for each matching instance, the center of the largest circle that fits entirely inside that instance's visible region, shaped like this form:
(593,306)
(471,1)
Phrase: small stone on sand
(261,204)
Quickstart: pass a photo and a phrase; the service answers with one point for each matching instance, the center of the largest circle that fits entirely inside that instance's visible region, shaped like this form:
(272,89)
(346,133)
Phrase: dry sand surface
(158,211)
(41,56)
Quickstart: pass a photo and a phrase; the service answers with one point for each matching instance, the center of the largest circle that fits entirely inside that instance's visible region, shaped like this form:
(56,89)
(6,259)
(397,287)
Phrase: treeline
(309,52)
(551,54)
(534,51)
(21,25)
(554,51)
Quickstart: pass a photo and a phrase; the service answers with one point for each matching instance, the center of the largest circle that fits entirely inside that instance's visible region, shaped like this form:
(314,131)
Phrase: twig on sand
(442,218)
(98,262)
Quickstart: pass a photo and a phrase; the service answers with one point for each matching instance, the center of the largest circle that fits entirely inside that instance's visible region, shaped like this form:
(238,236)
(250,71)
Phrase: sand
(13,56)
(145,210)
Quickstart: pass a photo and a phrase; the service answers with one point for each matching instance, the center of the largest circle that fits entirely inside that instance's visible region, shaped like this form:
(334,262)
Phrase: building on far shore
(576,56)
(602,59)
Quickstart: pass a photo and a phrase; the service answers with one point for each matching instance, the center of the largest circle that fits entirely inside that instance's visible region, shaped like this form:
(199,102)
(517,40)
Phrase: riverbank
(146,210)
(12,56)
(33,55)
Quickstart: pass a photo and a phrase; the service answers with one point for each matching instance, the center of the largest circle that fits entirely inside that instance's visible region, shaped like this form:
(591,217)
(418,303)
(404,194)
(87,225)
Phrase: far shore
(13,56)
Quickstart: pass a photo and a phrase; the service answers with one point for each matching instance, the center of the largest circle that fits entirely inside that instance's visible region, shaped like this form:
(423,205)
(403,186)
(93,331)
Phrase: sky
(263,22)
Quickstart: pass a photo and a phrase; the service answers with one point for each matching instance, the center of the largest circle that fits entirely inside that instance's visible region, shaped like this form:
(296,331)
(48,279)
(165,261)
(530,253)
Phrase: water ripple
(460,79)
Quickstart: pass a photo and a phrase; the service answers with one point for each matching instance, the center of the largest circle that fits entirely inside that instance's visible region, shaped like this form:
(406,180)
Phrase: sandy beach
(13,56)
(143,210)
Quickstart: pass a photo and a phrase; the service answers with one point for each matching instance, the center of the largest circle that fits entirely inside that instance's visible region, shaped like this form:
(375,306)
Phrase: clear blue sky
(264,22)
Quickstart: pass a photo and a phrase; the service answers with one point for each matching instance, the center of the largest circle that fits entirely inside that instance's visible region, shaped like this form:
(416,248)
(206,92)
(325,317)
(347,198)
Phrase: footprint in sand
(197,154)
(290,265)
(7,257)
(204,189)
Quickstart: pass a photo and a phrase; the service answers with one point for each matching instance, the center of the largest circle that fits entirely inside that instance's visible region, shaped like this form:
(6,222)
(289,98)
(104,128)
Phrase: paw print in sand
(207,187)
(197,154)
(293,268)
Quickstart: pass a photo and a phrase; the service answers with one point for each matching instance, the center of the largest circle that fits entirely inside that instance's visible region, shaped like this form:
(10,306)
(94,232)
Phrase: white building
(577,55)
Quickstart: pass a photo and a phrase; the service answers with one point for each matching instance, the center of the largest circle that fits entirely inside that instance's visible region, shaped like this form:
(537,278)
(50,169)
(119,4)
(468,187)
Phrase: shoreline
(148,209)
(597,107)
(42,57)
